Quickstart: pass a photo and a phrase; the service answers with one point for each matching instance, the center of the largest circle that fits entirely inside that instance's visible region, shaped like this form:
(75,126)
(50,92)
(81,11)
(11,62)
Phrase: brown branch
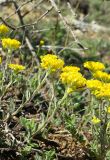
(23,26)
(34,7)
(7,24)
(22,5)
(68,28)
(27,38)
(41,17)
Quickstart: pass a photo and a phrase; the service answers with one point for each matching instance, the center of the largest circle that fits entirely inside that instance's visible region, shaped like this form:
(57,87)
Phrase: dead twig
(27,39)
(41,17)
(34,7)
(7,24)
(68,28)
(22,5)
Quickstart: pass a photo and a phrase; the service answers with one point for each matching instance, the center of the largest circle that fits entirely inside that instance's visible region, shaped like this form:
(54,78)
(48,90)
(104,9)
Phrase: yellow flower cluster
(103,92)
(99,86)
(72,78)
(94,66)
(71,69)
(16,67)
(108,109)
(11,44)
(3,30)
(108,125)
(103,76)
(0,60)
(42,42)
(94,84)
(70,90)
(95,120)
(51,62)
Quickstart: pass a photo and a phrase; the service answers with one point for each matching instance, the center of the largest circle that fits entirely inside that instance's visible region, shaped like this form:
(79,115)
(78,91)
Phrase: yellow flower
(94,66)
(16,67)
(99,89)
(41,42)
(11,44)
(74,80)
(3,29)
(103,92)
(51,62)
(71,69)
(95,120)
(108,109)
(103,76)
(108,125)
(70,90)
(0,60)
(94,84)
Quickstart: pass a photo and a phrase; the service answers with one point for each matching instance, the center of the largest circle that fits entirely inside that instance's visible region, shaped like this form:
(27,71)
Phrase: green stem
(48,119)
(33,95)
(103,138)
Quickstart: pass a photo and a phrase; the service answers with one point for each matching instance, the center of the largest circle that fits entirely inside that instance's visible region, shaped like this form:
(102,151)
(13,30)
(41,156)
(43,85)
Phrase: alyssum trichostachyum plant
(51,73)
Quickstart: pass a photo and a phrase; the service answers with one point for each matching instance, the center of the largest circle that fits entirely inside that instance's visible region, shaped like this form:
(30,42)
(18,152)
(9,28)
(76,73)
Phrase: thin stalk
(103,138)
(56,106)
(33,95)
